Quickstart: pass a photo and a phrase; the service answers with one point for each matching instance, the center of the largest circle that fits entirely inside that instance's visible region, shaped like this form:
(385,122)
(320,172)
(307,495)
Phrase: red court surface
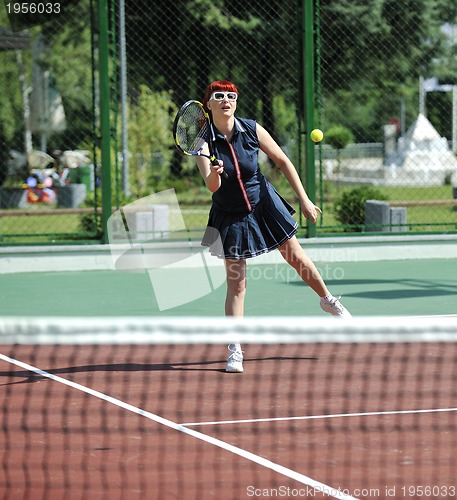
(355,421)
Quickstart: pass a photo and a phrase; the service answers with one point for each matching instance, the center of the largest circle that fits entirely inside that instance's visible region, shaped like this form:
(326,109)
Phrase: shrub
(338,137)
(350,207)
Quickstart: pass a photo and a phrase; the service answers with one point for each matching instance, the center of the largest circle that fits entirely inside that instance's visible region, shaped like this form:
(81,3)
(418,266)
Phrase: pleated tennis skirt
(241,236)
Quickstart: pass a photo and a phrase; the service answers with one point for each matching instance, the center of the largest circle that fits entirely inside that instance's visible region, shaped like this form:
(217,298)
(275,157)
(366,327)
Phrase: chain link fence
(48,178)
(173,51)
(385,97)
(387,102)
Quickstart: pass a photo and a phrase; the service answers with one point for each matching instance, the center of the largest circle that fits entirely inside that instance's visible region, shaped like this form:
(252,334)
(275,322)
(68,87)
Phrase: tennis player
(248,217)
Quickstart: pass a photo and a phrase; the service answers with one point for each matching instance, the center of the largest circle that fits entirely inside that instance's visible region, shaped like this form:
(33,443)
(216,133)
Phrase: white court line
(310,417)
(315,485)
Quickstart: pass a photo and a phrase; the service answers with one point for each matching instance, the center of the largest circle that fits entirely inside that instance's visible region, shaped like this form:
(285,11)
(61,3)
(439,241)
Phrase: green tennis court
(359,412)
(393,287)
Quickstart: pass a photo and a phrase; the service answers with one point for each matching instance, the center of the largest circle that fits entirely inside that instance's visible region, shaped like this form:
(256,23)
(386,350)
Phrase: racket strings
(192,129)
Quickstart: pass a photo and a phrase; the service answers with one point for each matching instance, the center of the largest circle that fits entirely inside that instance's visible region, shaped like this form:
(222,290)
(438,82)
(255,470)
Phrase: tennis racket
(191,131)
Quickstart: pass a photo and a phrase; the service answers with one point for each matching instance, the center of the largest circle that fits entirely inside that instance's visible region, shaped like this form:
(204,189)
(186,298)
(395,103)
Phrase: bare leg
(234,306)
(295,256)
(236,286)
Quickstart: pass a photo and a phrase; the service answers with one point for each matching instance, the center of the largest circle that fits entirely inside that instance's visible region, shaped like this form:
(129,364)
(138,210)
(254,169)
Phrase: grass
(421,219)
(195,201)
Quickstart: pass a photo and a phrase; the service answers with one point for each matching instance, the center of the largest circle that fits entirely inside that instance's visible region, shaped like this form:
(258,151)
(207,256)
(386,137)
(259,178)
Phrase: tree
(338,137)
(373,52)
(150,140)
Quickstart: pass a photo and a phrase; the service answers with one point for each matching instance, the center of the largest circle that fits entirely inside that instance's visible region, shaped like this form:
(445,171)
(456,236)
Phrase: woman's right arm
(211,174)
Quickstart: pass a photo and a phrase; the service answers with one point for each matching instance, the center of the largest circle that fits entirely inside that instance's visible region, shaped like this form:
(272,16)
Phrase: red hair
(223,85)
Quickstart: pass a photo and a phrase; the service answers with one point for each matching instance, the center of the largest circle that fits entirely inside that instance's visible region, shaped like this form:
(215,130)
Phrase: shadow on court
(411,288)
(31,377)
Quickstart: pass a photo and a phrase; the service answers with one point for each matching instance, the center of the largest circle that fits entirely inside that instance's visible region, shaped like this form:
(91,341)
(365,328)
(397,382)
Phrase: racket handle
(215,162)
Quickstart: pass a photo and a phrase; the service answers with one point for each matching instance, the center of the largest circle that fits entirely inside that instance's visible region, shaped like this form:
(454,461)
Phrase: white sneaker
(335,307)
(235,359)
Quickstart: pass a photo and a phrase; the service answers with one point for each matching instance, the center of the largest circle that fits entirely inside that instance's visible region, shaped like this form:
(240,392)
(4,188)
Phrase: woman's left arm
(271,148)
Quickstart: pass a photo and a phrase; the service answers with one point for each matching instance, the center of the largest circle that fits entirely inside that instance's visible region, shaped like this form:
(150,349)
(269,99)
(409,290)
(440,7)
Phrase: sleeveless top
(248,217)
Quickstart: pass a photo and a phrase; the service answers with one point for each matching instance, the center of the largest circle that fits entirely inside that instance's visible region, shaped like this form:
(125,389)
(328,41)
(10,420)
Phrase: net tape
(217,330)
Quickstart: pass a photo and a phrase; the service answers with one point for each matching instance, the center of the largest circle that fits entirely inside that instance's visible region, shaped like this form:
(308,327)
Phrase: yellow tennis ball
(317,135)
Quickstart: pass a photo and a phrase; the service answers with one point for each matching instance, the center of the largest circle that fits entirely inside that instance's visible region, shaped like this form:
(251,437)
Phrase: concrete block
(398,216)
(377,216)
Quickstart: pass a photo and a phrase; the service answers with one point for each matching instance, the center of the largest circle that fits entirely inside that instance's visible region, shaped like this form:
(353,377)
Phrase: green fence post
(105,126)
(308,102)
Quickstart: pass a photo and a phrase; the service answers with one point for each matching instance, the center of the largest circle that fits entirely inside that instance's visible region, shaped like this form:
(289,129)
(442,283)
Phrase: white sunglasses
(222,96)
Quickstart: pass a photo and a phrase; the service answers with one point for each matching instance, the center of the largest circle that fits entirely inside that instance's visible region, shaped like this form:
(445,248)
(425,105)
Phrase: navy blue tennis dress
(247,213)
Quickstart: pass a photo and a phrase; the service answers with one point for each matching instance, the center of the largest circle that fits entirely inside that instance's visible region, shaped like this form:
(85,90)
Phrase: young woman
(248,217)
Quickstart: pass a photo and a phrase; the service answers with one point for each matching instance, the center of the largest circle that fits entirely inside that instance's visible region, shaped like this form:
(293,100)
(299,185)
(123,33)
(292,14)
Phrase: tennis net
(142,408)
